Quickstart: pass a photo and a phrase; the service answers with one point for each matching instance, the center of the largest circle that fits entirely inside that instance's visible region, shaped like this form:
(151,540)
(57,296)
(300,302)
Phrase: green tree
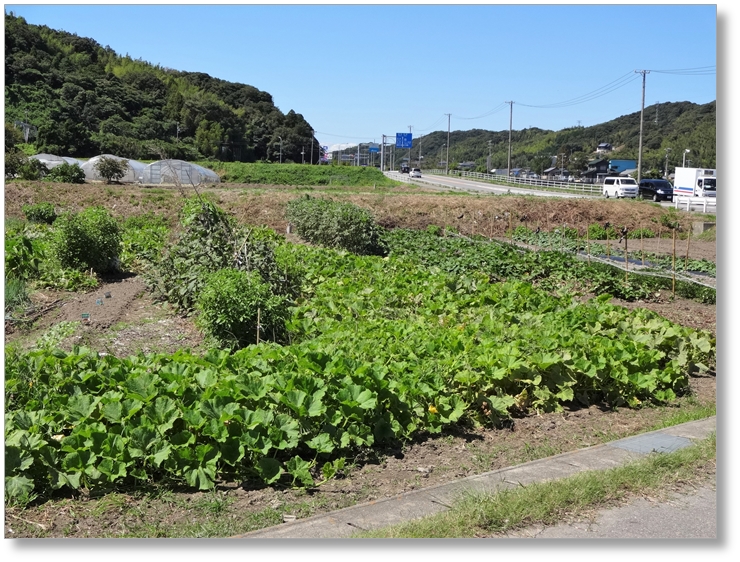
(111,169)
(66,173)
(89,239)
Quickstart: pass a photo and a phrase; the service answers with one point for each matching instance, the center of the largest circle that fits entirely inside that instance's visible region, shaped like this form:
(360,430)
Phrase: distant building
(467,165)
(555,173)
(616,167)
(597,170)
(603,148)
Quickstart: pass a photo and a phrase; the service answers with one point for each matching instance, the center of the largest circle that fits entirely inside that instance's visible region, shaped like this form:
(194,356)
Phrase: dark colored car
(404,169)
(657,190)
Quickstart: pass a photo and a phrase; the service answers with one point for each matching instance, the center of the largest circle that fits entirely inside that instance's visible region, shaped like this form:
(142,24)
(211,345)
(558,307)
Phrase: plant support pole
(626,261)
(258,325)
(674,263)
(688,247)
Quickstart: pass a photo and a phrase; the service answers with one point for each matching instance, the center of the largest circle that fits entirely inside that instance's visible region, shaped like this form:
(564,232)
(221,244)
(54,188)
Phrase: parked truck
(695,182)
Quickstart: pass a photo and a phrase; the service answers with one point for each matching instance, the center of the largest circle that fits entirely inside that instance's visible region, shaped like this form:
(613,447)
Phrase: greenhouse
(52,160)
(133,174)
(178,172)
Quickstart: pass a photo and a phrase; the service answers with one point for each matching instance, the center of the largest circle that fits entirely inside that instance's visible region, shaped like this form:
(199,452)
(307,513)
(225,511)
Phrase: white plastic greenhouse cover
(172,171)
(52,160)
(133,174)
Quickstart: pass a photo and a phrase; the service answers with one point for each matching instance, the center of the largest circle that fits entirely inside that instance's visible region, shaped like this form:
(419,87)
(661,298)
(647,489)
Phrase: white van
(619,187)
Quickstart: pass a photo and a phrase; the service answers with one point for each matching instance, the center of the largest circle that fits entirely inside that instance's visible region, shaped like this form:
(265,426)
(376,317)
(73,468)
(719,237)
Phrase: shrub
(111,169)
(336,225)
(66,173)
(32,169)
(228,307)
(599,232)
(14,161)
(21,258)
(640,233)
(40,212)
(434,230)
(208,242)
(89,239)
(142,239)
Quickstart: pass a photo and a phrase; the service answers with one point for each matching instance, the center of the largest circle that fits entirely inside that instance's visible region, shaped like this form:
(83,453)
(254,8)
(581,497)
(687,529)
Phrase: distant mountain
(84,100)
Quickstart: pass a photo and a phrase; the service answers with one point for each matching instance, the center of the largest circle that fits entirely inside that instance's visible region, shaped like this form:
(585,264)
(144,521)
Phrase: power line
(698,71)
(600,92)
(496,109)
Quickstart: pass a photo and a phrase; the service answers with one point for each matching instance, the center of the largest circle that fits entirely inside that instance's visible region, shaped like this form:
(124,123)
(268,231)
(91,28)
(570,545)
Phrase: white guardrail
(703,202)
(570,187)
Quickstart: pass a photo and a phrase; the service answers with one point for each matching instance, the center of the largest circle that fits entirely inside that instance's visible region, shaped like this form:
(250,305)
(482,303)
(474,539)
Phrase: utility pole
(488,167)
(419,152)
(411,145)
(642,111)
(562,166)
(447,158)
(382,153)
(311,160)
(667,150)
(511,116)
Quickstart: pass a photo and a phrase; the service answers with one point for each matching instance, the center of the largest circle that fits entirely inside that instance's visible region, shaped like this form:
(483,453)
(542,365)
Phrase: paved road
(453,182)
(689,515)
(456,183)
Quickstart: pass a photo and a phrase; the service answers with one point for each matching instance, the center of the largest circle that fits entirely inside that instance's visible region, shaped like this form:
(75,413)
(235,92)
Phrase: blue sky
(356,72)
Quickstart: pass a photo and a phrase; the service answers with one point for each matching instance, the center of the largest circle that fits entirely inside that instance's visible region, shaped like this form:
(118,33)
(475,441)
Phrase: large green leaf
(81,407)
(284,433)
(16,460)
(322,443)
(142,387)
(163,412)
(300,470)
(269,470)
(18,487)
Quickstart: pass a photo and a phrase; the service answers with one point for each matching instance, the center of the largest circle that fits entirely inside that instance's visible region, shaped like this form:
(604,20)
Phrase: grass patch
(479,515)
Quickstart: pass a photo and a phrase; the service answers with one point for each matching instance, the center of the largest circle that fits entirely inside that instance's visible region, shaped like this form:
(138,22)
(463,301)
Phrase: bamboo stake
(642,247)
(258,325)
(588,247)
(674,263)
(511,230)
(688,247)
(626,260)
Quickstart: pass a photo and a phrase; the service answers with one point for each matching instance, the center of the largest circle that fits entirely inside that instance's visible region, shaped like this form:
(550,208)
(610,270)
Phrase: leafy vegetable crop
(382,349)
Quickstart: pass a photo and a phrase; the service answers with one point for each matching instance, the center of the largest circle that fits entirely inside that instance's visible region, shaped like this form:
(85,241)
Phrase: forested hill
(85,100)
(678,126)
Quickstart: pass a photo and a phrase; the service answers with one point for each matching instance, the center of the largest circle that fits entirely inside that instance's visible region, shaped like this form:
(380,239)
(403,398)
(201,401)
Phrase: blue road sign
(403,140)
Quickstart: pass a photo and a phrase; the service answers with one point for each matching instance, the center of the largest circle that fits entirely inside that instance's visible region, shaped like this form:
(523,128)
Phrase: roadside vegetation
(549,503)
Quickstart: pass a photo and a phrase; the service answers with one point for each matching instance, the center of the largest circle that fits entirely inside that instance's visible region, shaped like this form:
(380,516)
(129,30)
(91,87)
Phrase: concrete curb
(427,501)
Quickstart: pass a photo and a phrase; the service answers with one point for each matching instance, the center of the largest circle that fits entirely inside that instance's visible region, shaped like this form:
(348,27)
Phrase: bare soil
(124,320)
